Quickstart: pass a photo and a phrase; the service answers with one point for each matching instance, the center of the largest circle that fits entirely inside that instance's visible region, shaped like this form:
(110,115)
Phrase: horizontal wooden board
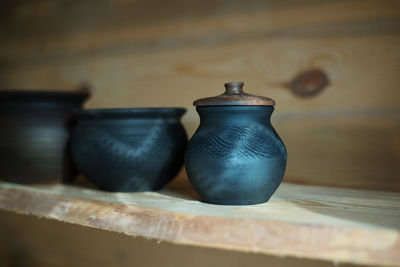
(363,73)
(314,222)
(34,31)
(31,241)
(358,152)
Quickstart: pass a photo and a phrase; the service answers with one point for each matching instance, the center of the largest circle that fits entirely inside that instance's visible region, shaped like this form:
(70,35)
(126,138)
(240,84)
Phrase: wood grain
(363,73)
(33,31)
(303,221)
(337,150)
(31,241)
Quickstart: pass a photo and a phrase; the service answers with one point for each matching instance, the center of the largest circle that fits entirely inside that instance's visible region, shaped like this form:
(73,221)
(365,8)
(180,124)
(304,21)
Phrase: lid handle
(234,96)
(234,88)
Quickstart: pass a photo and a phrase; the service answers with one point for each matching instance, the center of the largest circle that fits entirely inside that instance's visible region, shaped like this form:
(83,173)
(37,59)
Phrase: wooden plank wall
(156,53)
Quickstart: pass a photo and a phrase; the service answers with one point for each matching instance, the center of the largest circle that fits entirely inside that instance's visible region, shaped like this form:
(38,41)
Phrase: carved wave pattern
(236,142)
(139,146)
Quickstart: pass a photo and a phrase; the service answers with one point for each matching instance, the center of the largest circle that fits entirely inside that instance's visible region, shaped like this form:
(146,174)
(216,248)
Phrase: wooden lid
(234,95)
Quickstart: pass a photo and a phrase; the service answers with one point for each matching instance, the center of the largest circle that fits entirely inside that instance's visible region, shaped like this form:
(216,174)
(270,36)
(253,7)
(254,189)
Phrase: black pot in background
(35,129)
(129,150)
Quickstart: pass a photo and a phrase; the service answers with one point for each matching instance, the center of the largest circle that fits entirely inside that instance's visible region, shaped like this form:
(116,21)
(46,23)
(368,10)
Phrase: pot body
(34,136)
(129,150)
(235,157)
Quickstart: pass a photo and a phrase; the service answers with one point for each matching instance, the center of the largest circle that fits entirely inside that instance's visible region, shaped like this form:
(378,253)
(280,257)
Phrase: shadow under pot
(235,157)
(129,150)
(35,130)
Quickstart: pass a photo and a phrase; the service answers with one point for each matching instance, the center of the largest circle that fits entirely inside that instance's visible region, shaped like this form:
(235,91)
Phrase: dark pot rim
(40,96)
(156,112)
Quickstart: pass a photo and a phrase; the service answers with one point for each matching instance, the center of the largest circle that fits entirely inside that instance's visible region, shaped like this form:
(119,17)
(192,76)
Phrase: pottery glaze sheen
(129,150)
(235,157)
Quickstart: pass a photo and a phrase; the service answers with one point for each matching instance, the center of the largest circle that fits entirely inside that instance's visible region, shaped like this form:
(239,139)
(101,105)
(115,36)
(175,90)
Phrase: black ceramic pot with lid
(235,156)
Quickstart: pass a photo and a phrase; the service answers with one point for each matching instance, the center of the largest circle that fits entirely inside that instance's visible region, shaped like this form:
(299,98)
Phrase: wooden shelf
(341,225)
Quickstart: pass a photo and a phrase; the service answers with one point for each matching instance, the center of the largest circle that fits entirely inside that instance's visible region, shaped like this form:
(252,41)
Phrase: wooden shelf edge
(372,246)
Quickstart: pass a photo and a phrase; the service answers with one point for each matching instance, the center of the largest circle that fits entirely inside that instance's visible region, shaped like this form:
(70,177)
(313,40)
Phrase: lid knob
(234,96)
(234,88)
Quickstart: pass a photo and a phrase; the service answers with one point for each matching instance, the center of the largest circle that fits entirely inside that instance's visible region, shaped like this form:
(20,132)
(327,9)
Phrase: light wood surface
(341,225)
(34,242)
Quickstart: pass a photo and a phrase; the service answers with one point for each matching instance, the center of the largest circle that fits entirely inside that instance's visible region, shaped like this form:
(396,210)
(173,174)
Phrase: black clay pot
(35,129)
(129,150)
(235,157)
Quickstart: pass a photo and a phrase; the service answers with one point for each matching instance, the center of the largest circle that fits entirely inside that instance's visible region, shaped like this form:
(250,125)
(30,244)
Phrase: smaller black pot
(129,150)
